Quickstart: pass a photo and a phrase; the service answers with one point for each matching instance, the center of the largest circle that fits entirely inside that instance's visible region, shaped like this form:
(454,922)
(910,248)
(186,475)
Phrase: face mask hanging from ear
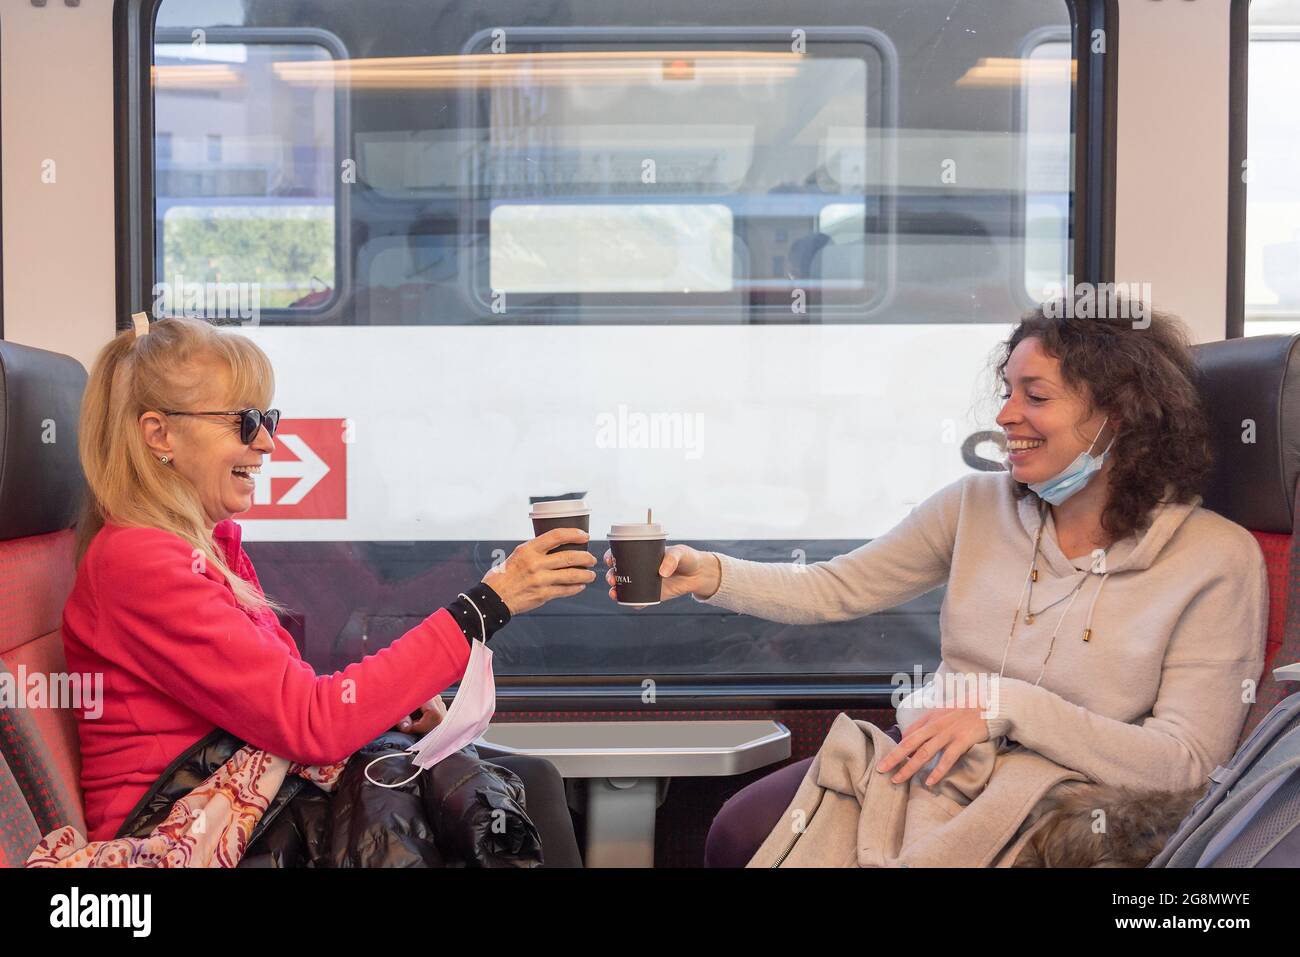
(1075,476)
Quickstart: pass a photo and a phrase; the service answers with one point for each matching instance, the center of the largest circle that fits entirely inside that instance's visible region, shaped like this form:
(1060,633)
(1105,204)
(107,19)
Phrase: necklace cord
(1026,598)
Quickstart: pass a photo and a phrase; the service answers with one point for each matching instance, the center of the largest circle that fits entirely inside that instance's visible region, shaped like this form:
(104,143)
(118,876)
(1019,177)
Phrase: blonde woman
(167,605)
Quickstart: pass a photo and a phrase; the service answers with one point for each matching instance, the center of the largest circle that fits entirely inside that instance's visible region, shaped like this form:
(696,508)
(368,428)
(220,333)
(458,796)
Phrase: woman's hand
(431,714)
(952,730)
(530,578)
(683,570)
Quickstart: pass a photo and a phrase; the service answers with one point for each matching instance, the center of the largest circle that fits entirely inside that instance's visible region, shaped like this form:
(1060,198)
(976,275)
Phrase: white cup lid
(635,530)
(560,508)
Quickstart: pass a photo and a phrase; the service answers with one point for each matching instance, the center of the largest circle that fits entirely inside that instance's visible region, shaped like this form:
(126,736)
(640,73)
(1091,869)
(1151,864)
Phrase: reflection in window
(245,179)
(1048,180)
(611,248)
(761,141)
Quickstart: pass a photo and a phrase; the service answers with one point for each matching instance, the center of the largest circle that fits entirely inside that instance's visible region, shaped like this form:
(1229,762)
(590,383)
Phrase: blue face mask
(1061,486)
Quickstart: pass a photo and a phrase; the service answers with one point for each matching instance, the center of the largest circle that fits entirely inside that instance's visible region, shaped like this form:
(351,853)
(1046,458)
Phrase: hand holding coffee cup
(561,513)
(683,570)
(638,551)
(537,571)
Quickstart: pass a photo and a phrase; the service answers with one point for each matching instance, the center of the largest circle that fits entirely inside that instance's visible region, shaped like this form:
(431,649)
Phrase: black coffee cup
(638,552)
(562,513)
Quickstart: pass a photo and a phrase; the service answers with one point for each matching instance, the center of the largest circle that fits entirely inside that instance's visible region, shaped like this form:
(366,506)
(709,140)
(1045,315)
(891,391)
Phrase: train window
(688,209)
(1272,260)
(610,248)
(745,270)
(243,176)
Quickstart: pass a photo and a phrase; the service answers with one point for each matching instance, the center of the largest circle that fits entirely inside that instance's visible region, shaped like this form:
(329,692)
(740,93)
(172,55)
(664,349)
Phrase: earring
(164,460)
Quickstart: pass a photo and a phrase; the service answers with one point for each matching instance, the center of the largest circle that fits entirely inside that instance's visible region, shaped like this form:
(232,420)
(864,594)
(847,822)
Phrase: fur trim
(1105,826)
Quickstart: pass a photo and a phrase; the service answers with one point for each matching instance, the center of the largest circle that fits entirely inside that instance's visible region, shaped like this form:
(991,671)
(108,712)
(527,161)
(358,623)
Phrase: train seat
(40,493)
(1251,388)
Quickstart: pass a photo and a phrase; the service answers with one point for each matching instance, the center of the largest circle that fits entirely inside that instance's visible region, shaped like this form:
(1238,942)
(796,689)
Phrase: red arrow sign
(307,474)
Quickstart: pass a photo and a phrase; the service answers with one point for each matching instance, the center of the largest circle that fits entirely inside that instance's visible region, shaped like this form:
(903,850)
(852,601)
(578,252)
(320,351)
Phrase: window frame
(1031,42)
(1238,137)
(1238,82)
(701,313)
(323,314)
(1093,121)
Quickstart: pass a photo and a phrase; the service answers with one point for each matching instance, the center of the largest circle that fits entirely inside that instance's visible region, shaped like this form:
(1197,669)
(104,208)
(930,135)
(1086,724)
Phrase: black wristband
(495,613)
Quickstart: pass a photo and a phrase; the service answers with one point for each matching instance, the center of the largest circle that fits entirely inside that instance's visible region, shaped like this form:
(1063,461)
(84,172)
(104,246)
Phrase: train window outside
(243,177)
(684,214)
(747,271)
(1272,280)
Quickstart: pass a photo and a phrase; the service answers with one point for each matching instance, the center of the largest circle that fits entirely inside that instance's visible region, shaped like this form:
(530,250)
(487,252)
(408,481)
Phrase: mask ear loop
(385,757)
(1098,435)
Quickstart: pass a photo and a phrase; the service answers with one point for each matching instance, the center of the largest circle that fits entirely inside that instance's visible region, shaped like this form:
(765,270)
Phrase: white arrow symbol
(308,470)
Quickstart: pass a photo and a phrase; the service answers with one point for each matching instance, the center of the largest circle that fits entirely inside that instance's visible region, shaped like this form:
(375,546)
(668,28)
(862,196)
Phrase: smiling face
(1047,424)
(206,449)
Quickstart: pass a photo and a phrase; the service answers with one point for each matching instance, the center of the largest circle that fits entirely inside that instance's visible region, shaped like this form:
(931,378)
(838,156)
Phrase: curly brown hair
(1145,379)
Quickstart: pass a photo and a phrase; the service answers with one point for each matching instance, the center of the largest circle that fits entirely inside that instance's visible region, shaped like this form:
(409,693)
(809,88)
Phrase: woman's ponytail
(164,368)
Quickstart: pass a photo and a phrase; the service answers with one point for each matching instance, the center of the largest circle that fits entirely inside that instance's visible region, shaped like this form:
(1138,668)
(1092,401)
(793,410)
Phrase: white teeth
(1020,445)
(248,470)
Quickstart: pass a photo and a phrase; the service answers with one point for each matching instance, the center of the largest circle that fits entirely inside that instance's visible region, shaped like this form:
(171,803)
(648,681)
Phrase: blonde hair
(127,485)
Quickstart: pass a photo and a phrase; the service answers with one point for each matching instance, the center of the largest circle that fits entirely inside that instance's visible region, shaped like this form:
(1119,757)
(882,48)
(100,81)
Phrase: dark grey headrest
(1252,390)
(41,484)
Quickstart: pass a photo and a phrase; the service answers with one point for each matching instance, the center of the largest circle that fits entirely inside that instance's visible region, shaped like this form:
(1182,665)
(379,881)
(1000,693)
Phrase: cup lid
(560,508)
(633,530)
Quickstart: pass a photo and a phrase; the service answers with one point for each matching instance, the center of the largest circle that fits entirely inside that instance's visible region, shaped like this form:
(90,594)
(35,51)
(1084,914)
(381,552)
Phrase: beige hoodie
(1157,696)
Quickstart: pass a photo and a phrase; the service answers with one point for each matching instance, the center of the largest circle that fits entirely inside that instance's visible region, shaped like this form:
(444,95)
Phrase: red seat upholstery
(40,490)
(18,830)
(39,745)
(1283,646)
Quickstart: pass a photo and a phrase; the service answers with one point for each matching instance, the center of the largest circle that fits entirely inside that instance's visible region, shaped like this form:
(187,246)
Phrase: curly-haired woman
(1124,623)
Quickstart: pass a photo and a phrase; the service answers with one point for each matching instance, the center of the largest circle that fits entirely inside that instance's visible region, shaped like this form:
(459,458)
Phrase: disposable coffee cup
(563,513)
(638,550)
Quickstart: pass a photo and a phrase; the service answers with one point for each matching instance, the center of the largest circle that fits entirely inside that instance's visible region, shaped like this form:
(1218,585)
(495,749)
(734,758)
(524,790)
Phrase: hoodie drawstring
(1087,625)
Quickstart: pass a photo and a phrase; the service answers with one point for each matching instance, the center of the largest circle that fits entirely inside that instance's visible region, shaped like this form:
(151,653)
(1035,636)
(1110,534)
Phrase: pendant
(1029,619)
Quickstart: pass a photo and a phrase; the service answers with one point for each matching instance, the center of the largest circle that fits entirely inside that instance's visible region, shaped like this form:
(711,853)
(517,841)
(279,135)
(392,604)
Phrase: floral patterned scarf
(209,827)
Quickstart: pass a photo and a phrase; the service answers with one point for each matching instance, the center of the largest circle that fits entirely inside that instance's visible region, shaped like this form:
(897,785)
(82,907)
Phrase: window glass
(746,270)
(244,177)
(1046,85)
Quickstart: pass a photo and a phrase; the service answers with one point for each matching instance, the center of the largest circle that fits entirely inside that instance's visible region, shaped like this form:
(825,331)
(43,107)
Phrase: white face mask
(467,717)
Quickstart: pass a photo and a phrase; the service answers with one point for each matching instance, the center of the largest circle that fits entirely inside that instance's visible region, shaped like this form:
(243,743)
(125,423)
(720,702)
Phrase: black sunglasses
(250,420)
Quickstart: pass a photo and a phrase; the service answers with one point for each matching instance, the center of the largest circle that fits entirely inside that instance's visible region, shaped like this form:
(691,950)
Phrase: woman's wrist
(710,575)
(483,601)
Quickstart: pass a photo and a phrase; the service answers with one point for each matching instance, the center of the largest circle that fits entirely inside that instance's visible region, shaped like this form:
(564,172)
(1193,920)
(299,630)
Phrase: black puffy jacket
(462,812)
